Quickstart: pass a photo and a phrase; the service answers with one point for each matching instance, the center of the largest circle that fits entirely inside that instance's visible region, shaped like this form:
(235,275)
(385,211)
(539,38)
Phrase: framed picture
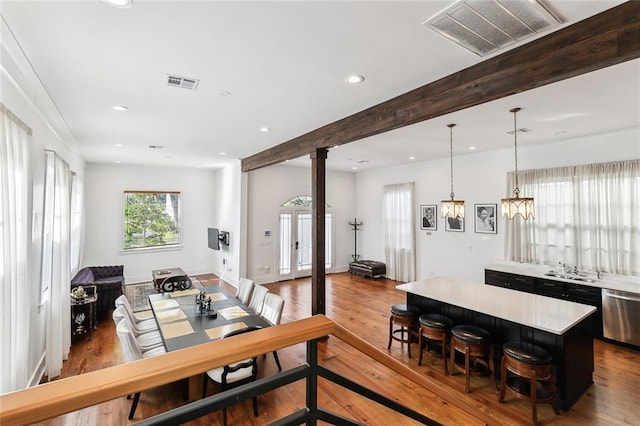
(429,217)
(485,218)
(454,224)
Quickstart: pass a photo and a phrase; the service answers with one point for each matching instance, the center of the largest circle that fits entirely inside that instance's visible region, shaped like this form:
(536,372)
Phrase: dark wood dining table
(181,325)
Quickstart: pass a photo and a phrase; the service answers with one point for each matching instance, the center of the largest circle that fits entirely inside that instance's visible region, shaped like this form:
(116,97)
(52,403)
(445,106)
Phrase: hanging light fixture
(511,207)
(452,208)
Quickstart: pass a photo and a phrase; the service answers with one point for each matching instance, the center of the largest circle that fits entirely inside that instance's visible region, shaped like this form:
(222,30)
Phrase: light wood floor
(362,306)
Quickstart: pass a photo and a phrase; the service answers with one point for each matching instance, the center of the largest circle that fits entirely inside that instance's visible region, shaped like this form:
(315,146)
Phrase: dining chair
(140,326)
(272,312)
(245,285)
(149,340)
(138,316)
(176,282)
(257,298)
(132,351)
(233,375)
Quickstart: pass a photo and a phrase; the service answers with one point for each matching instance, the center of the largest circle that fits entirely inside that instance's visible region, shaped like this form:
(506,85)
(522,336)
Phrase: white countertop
(544,313)
(609,281)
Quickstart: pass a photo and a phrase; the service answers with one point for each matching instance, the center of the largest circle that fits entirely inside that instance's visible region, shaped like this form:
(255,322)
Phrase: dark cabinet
(571,292)
(510,281)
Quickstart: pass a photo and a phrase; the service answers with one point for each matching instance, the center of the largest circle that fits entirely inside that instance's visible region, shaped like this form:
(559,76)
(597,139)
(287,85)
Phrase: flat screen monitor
(213,238)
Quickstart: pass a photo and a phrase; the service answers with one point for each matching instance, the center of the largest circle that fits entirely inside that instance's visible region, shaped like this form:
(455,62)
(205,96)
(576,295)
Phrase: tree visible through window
(151,219)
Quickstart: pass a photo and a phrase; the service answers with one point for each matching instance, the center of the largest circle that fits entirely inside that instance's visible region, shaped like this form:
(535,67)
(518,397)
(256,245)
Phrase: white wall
(478,179)
(228,217)
(105,185)
(268,188)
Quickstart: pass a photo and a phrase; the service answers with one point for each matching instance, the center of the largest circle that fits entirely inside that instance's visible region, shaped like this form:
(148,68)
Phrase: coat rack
(356,227)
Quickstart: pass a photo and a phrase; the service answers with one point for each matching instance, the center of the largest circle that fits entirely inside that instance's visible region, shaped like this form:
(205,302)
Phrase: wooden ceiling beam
(603,40)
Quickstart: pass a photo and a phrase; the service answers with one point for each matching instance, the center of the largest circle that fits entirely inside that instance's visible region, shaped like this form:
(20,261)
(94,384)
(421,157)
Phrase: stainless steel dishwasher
(621,316)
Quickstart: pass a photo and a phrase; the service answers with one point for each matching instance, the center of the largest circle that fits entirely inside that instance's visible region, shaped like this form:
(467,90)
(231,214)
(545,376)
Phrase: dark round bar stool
(527,372)
(407,318)
(434,328)
(475,343)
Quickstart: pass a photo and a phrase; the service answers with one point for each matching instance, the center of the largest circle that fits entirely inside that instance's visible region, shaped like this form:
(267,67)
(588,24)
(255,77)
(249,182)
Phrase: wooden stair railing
(59,397)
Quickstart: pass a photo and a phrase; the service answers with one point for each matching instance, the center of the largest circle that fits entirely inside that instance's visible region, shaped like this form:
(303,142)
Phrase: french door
(295,251)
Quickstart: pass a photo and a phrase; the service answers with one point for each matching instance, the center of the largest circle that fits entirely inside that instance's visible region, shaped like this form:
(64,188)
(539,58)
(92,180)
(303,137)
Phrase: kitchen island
(562,328)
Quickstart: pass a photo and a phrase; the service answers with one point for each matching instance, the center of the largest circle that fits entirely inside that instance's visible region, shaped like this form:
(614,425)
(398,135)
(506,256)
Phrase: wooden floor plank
(362,306)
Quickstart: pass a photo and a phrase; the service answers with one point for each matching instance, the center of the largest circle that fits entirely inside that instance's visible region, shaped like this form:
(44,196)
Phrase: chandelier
(452,207)
(511,207)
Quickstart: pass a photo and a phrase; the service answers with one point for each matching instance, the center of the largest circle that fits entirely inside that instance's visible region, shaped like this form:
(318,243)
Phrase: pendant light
(452,208)
(511,207)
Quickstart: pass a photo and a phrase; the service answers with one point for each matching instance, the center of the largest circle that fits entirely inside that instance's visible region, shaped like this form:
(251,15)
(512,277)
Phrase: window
(151,219)
(587,216)
(399,232)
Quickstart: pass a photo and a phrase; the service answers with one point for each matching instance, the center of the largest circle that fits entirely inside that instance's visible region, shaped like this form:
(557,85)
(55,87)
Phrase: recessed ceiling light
(472,148)
(120,108)
(122,4)
(222,153)
(118,161)
(354,168)
(119,145)
(354,79)
(265,129)
(412,158)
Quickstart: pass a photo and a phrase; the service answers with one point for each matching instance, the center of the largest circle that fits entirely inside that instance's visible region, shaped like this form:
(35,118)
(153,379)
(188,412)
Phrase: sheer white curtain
(55,272)
(77,223)
(15,237)
(588,216)
(399,231)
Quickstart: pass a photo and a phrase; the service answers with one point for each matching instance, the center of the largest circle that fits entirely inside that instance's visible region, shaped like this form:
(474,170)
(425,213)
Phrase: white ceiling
(284,63)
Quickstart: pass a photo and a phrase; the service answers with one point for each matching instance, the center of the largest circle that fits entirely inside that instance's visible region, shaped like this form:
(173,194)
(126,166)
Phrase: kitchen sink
(570,277)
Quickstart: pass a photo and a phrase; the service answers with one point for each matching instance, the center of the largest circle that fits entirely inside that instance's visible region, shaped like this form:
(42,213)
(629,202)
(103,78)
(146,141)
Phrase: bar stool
(475,343)
(434,328)
(407,318)
(531,375)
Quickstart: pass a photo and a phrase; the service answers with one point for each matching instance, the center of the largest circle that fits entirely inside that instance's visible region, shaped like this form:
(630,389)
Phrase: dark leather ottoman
(368,268)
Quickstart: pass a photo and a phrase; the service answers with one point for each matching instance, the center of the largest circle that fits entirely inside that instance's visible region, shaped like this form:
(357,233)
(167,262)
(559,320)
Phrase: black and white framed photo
(454,224)
(485,218)
(428,217)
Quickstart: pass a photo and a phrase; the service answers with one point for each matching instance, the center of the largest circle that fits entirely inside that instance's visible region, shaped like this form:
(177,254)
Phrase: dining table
(182,323)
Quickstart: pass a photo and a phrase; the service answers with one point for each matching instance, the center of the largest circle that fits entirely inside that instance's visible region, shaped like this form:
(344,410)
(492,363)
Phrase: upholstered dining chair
(138,316)
(146,341)
(140,326)
(272,312)
(235,374)
(243,293)
(132,351)
(257,298)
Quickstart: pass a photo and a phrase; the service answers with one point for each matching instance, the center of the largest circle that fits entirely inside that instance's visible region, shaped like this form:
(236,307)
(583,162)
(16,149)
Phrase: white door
(295,253)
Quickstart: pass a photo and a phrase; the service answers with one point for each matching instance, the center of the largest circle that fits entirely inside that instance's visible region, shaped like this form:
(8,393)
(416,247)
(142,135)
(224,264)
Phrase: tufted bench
(368,268)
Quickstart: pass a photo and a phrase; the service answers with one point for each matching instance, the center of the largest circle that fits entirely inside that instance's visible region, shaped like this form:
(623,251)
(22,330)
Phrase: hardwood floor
(362,306)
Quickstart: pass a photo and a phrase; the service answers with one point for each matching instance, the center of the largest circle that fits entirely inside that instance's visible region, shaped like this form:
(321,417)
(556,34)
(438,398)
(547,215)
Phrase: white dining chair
(257,298)
(146,341)
(140,326)
(272,312)
(132,351)
(243,293)
(138,316)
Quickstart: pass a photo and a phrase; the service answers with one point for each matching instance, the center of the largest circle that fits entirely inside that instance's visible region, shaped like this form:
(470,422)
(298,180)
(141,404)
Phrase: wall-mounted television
(213,238)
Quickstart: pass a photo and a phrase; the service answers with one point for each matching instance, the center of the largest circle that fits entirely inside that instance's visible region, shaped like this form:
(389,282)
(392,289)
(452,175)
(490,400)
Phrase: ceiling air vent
(182,82)
(484,26)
